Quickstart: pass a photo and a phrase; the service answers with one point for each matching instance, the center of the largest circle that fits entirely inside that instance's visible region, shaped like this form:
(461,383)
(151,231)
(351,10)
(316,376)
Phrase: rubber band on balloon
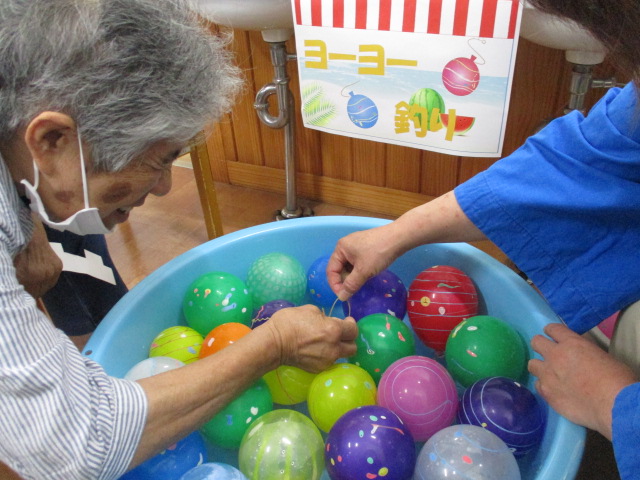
(483,41)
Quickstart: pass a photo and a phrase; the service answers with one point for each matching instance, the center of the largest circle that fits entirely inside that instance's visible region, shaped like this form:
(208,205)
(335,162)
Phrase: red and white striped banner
(470,18)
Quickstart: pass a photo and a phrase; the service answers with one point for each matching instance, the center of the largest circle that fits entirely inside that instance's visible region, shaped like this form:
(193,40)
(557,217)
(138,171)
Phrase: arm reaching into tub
(182,400)
(361,255)
(577,378)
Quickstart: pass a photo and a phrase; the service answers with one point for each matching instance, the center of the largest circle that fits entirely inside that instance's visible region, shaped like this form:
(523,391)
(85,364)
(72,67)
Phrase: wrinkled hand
(358,257)
(307,339)
(578,379)
(37,266)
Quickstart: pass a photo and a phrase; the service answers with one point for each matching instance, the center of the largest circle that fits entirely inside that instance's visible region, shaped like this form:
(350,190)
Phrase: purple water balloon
(266,311)
(384,293)
(506,408)
(370,442)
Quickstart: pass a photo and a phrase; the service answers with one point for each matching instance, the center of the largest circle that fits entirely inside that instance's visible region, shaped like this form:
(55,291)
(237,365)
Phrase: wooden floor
(167,226)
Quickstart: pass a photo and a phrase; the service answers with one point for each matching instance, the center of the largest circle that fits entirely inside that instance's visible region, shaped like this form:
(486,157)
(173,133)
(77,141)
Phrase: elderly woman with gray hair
(96,100)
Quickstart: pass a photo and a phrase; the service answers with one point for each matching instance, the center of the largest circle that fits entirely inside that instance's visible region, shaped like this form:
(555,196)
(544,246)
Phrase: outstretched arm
(361,255)
(181,400)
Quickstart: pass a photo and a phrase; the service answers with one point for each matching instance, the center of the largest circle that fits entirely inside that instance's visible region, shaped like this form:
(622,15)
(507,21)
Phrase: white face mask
(84,222)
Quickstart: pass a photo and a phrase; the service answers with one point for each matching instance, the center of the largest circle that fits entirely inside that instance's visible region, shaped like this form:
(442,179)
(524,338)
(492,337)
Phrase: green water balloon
(485,346)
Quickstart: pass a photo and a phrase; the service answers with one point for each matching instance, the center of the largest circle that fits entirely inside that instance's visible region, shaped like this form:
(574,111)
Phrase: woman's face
(115,194)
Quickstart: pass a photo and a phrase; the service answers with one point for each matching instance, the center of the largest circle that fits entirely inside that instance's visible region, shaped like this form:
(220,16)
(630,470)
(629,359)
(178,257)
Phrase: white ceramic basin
(273,17)
(551,31)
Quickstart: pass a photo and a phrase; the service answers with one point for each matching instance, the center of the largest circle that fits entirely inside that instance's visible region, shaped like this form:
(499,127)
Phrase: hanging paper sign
(429,74)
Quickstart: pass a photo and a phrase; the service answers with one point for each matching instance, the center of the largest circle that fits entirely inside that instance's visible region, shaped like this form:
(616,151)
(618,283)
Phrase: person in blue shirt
(97,99)
(565,208)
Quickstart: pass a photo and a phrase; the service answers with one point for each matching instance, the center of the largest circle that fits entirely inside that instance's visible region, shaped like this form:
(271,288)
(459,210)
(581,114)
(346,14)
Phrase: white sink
(273,17)
(554,32)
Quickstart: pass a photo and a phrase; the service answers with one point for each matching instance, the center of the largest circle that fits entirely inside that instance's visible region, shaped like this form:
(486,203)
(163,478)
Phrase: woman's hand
(37,266)
(181,400)
(361,255)
(577,378)
(358,257)
(307,339)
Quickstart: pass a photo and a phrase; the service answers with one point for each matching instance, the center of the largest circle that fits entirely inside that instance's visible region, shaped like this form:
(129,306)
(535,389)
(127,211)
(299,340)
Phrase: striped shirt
(61,415)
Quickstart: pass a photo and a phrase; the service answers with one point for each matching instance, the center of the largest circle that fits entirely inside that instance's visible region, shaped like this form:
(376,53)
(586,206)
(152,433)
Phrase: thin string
(347,86)
(476,51)
(334,304)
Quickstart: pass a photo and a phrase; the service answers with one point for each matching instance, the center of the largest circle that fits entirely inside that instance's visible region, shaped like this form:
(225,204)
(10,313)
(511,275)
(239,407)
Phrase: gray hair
(129,72)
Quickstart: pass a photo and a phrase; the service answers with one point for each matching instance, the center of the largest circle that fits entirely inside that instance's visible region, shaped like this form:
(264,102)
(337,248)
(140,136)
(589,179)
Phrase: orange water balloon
(222,336)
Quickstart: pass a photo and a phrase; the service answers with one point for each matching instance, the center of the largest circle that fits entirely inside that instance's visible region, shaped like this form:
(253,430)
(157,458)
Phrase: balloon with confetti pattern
(337,390)
(179,342)
(266,311)
(382,339)
(382,293)
(466,451)
(222,336)
(216,298)
(485,346)
(370,442)
(228,426)
(439,298)
(318,286)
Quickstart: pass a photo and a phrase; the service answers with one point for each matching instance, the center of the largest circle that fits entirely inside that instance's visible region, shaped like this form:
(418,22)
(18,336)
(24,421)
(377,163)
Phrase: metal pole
(280,87)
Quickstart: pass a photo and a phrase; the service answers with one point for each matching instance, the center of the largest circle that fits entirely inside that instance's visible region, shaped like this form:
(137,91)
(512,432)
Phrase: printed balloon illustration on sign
(362,111)
(461,76)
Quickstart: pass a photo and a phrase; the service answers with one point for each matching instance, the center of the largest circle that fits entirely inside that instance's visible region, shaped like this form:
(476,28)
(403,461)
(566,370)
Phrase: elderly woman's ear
(52,140)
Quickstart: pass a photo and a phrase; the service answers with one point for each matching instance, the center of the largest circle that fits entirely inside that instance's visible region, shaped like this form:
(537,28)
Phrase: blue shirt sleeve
(626,432)
(565,207)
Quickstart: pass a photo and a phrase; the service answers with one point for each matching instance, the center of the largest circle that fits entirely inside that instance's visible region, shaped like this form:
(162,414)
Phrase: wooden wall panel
(403,168)
(245,122)
(369,160)
(439,173)
(337,156)
(326,163)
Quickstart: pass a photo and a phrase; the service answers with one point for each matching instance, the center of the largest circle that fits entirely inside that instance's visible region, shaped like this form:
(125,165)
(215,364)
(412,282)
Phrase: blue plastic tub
(124,336)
